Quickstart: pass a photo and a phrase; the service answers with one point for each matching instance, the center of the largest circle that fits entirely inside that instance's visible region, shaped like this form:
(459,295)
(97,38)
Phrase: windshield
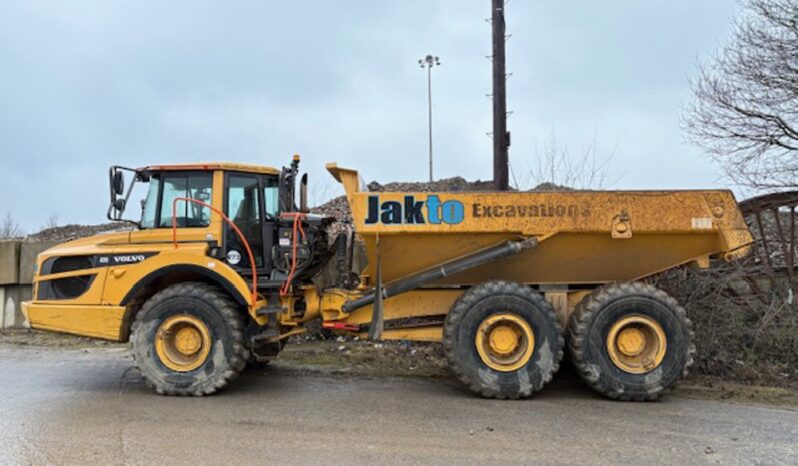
(164,188)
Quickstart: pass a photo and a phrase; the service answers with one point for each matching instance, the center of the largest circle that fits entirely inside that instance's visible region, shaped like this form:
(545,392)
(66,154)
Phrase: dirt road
(79,406)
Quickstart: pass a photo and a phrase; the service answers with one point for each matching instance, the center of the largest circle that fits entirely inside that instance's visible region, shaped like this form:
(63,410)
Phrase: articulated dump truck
(218,272)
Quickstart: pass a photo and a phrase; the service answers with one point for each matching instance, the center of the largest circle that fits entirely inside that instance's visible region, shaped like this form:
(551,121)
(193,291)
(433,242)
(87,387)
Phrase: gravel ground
(355,357)
(80,403)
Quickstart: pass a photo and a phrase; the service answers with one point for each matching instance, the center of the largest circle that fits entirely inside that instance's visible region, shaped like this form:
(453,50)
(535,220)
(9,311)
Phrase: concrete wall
(10,298)
(17,261)
(9,262)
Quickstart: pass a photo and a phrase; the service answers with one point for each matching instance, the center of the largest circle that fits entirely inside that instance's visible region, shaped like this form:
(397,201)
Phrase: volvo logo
(121,259)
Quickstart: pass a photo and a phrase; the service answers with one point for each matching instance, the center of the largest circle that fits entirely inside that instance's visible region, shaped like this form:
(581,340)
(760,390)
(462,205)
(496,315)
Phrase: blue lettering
(412,212)
(433,204)
(453,212)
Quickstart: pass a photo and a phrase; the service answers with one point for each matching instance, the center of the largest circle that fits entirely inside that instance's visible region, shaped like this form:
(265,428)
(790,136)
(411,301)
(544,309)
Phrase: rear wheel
(188,340)
(630,341)
(502,340)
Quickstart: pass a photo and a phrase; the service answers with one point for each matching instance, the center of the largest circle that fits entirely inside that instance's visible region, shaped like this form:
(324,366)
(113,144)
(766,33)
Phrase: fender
(199,270)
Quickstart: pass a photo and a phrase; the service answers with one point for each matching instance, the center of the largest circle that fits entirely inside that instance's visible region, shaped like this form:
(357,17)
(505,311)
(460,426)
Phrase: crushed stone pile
(70,232)
(446,185)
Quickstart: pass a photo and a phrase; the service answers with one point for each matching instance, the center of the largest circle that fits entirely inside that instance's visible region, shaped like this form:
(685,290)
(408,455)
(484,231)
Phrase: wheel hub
(636,344)
(188,340)
(182,342)
(505,342)
(631,341)
(503,339)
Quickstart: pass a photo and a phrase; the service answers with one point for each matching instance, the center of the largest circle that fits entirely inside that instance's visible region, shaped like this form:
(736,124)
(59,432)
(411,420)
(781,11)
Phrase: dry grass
(743,333)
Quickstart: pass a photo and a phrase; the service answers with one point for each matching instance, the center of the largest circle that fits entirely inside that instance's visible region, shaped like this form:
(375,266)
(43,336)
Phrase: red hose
(297,228)
(235,228)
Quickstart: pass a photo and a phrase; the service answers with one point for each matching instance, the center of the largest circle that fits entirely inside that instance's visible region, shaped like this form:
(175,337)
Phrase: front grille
(64,288)
(66,264)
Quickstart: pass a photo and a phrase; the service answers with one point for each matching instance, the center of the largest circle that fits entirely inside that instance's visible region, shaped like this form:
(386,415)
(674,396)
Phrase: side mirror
(118,183)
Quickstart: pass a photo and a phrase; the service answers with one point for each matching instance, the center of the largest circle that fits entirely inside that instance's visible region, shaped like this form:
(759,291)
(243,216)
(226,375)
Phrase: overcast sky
(88,84)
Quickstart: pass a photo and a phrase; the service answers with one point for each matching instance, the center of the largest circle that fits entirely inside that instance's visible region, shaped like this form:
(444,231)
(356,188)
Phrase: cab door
(250,201)
(243,207)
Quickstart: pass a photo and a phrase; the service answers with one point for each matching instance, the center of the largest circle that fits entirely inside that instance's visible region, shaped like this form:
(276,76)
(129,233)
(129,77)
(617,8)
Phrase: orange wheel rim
(505,342)
(183,342)
(636,344)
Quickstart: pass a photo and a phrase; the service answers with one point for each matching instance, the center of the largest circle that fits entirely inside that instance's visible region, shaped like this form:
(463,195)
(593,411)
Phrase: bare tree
(10,228)
(52,222)
(323,190)
(745,108)
(556,167)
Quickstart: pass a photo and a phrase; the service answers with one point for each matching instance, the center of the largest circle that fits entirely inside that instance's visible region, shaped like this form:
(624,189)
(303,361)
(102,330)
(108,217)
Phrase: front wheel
(188,340)
(502,340)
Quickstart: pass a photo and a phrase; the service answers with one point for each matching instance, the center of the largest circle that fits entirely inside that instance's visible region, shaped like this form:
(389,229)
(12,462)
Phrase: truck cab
(234,227)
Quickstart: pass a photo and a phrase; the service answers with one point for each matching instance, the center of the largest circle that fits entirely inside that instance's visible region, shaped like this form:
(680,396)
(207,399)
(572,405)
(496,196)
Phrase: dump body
(586,237)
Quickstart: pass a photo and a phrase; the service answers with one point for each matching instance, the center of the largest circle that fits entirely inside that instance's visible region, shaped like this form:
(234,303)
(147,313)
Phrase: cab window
(271,196)
(165,188)
(192,185)
(243,208)
(150,204)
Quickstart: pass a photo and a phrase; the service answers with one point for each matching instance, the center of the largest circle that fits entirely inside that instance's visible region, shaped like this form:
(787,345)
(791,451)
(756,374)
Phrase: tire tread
(592,304)
(229,312)
(461,307)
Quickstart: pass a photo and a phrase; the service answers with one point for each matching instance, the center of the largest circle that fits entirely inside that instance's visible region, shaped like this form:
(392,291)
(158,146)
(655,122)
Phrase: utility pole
(428,62)
(501,137)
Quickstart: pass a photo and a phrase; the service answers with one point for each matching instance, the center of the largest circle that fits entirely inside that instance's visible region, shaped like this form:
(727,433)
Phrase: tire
(607,308)
(490,300)
(226,354)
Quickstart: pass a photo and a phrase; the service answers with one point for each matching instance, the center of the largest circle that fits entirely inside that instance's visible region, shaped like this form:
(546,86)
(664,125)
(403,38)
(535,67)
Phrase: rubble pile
(446,185)
(338,208)
(70,232)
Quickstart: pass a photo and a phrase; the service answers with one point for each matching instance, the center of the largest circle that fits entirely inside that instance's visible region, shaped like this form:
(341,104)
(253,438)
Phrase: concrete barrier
(17,261)
(10,298)
(28,252)
(9,262)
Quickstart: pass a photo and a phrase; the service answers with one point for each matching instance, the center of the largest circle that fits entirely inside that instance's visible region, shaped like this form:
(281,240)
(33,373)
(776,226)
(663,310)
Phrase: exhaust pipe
(303,194)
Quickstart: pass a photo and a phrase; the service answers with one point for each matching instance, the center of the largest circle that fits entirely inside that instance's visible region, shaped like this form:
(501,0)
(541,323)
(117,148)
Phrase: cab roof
(227,166)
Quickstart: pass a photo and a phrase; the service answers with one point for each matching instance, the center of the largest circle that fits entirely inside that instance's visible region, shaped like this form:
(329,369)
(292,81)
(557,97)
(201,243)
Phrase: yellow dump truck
(218,272)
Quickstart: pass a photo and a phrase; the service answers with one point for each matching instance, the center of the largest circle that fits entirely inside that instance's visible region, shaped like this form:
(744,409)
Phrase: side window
(271,196)
(242,199)
(197,186)
(151,203)
(244,210)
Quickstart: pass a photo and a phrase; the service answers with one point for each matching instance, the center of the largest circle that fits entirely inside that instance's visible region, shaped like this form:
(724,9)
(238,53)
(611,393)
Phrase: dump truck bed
(586,237)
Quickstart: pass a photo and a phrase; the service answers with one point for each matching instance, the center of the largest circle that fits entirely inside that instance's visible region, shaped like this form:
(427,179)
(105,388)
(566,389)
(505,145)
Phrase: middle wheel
(503,340)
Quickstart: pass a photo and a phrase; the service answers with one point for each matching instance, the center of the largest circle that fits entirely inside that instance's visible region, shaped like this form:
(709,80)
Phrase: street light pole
(428,62)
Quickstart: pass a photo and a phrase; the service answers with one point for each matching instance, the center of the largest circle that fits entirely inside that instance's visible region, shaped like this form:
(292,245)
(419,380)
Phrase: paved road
(79,407)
